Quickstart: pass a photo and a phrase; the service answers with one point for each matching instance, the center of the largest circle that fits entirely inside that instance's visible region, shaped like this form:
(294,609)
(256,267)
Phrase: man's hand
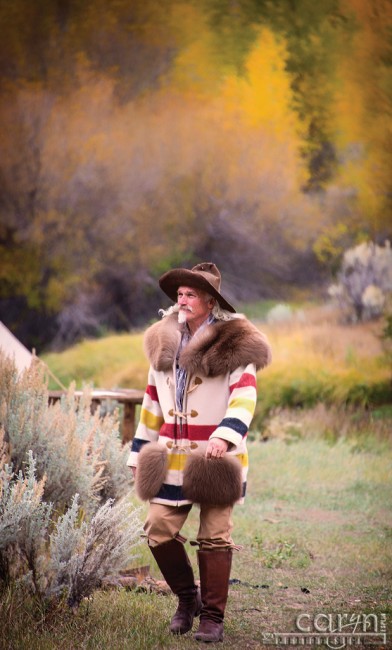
(216,448)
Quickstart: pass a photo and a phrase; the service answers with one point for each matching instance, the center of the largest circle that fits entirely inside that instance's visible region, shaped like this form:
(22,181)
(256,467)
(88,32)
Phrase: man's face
(194,307)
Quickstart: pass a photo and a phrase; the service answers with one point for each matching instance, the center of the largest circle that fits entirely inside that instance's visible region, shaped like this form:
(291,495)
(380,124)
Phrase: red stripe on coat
(189,431)
(246,380)
(152,392)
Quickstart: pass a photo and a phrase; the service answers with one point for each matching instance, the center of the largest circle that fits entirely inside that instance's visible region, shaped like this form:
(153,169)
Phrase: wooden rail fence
(129,397)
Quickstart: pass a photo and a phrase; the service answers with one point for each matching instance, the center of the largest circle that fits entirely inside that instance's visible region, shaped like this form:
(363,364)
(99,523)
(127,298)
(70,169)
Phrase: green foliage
(234,29)
(387,332)
(256,311)
(308,389)
(313,33)
(387,338)
(331,244)
(285,551)
(114,361)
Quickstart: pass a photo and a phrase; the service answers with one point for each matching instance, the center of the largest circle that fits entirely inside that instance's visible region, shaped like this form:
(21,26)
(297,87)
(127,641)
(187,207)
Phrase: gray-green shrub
(81,556)
(364,281)
(79,453)
(64,520)
(63,557)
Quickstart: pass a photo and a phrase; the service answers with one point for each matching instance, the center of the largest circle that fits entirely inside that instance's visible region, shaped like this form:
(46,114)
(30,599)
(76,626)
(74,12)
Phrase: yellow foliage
(363,116)
(265,96)
(331,243)
(258,110)
(194,70)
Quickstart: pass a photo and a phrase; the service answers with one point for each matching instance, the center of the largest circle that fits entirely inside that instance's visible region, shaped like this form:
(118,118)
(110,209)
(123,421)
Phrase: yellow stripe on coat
(242,402)
(177,460)
(150,420)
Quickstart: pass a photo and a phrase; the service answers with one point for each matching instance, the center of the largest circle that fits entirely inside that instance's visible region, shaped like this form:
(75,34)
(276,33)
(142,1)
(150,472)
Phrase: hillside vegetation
(138,136)
(315,359)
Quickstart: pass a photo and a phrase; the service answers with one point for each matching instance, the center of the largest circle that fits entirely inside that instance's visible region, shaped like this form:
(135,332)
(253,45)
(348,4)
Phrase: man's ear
(211,302)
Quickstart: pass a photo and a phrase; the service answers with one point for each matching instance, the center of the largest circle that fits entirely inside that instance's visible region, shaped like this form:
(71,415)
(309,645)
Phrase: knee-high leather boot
(176,568)
(214,567)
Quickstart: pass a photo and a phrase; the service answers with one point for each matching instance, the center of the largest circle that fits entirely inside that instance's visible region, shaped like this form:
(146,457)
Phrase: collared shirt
(181,374)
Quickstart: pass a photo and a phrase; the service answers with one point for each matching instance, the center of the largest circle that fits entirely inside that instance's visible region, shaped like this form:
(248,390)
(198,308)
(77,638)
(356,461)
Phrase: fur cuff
(151,470)
(215,481)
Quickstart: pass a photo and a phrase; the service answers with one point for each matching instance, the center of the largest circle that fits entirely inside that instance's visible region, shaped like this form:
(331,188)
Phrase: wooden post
(128,423)
(95,403)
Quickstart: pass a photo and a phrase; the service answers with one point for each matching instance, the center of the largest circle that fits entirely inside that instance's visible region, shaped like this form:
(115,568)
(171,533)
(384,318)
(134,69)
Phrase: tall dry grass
(319,359)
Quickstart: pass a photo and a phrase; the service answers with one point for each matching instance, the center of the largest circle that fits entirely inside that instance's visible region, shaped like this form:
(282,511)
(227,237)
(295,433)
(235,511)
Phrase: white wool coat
(220,394)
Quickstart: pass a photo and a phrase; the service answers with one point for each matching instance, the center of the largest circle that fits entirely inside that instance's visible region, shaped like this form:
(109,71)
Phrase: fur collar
(216,350)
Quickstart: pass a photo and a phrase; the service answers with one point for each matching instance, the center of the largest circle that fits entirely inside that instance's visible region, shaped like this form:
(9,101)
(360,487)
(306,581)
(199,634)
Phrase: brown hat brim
(171,280)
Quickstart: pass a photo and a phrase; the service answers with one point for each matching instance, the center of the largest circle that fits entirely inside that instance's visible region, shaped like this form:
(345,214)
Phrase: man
(201,395)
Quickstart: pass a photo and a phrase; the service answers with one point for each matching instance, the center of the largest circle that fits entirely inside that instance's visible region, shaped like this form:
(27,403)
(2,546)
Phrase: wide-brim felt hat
(205,276)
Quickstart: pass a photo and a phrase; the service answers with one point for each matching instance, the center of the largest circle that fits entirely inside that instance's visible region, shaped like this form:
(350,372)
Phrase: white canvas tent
(22,356)
(14,348)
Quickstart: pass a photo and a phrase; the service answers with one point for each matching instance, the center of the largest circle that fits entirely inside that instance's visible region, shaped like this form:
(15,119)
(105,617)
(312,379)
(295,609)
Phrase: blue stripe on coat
(137,444)
(170,492)
(237,425)
(175,493)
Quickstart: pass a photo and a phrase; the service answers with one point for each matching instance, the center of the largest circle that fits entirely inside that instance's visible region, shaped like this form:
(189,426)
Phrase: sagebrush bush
(364,281)
(63,557)
(81,556)
(23,517)
(76,451)
(281,313)
(61,470)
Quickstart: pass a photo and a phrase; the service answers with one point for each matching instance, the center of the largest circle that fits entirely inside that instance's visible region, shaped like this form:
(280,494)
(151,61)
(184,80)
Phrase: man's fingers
(214,452)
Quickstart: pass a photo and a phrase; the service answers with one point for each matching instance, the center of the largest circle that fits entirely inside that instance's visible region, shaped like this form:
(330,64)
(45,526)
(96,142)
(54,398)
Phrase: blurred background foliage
(139,135)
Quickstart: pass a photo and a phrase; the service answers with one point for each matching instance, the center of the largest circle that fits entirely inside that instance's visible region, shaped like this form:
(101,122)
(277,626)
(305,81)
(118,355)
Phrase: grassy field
(317,534)
(316,527)
(321,359)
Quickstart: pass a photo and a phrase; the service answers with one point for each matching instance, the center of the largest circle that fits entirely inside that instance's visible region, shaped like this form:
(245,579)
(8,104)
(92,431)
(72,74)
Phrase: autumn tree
(362,117)
(138,136)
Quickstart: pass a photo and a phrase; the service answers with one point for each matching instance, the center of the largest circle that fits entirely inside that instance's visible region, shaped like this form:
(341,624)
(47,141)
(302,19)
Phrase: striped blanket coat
(220,394)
